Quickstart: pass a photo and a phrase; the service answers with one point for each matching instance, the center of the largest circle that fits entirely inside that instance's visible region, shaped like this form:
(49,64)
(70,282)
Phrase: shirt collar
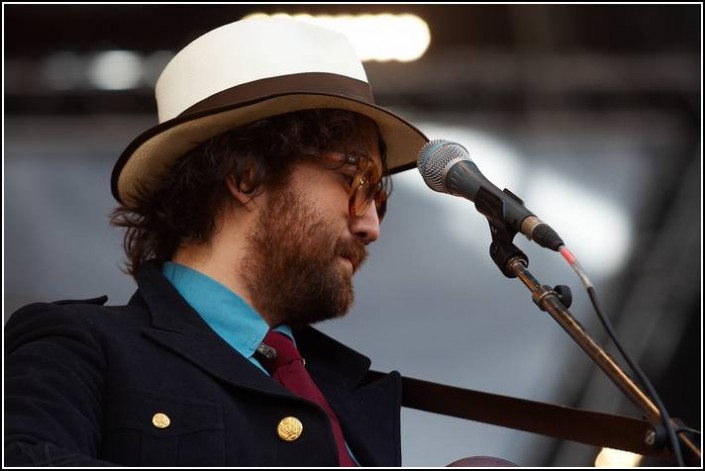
(223,310)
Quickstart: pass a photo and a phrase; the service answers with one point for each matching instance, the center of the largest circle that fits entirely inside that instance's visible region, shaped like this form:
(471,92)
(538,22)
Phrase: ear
(238,193)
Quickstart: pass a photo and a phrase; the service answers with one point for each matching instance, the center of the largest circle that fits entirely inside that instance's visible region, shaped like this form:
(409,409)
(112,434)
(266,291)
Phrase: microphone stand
(513,263)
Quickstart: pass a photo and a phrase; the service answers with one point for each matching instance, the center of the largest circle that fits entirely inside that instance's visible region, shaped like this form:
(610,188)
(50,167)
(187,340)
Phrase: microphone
(446,167)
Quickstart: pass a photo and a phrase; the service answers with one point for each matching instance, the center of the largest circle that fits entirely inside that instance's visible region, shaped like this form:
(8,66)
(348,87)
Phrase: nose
(366,227)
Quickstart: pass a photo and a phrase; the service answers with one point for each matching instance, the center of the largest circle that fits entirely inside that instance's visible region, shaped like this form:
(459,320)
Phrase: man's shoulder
(74,307)
(42,318)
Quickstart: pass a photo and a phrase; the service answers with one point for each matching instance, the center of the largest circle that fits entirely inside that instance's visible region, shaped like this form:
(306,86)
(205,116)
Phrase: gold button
(290,429)
(161,420)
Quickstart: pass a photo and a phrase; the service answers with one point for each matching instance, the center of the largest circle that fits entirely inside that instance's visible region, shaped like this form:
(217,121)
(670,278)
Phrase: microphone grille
(433,159)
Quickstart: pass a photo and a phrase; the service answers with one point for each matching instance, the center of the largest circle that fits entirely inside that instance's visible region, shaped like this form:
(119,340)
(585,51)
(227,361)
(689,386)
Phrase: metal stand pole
(548,300)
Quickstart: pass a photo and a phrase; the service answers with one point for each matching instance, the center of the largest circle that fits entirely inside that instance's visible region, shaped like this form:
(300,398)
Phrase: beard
(293,269)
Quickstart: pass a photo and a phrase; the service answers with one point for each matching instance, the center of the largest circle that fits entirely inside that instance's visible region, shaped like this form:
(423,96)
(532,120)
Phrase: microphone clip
(502,251)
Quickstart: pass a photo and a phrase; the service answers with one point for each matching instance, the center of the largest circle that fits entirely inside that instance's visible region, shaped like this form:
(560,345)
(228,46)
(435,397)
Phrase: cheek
(325,193)
(331,201)
(337,205)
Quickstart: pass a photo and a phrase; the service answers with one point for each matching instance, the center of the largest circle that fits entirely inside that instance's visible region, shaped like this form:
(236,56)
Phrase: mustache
(352,249)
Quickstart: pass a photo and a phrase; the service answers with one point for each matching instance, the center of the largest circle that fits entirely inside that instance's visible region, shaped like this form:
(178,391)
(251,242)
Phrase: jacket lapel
(370,419)
(368,412)
(176,326)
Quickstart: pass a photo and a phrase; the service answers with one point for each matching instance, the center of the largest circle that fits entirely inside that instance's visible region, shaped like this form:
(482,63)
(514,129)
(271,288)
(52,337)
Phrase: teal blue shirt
(225,312)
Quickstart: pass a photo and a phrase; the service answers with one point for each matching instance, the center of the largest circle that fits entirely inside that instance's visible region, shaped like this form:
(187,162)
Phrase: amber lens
(368,188)
(381,203)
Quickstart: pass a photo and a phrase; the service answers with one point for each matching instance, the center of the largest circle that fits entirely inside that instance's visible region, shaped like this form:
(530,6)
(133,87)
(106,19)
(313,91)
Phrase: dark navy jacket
(84,381)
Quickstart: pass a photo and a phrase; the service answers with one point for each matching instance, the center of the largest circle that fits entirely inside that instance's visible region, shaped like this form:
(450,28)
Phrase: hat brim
(152,153)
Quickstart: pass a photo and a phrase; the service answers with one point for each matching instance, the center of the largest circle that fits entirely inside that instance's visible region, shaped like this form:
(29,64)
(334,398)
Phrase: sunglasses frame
(366,181)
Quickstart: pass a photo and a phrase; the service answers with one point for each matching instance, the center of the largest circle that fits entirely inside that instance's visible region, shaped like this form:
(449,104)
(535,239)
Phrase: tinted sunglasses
(366,183)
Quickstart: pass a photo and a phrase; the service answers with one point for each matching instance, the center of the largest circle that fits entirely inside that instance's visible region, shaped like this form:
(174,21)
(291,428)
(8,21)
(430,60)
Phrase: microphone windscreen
(433,158)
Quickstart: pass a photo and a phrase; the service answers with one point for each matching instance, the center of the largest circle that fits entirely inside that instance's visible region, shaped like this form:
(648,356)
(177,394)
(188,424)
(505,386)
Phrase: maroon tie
(287,367)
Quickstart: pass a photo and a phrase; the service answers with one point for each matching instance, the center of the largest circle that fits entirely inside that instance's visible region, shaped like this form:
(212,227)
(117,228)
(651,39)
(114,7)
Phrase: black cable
(665,416)
(667,422)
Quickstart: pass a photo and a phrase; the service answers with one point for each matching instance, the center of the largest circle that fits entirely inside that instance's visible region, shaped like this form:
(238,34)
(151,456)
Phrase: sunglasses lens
(359,200)
(381,204)
(364,193)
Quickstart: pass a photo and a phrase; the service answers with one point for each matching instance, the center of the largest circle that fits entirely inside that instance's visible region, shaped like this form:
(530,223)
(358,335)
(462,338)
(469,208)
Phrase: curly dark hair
(184,203)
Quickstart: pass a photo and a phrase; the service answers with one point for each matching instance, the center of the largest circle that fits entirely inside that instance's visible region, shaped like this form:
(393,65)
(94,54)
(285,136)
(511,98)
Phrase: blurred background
(591,114)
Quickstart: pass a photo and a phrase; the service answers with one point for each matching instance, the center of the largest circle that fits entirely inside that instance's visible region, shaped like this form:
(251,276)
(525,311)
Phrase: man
(247,211)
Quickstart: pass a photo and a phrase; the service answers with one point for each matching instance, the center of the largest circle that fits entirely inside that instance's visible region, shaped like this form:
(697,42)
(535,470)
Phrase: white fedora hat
(250,70)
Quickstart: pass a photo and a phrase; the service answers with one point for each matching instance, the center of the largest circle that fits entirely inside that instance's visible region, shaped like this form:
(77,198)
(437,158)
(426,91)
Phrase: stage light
(384,37)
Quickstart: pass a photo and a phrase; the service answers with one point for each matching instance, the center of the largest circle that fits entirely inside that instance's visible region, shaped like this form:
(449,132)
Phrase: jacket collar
(176,326)
(175,322)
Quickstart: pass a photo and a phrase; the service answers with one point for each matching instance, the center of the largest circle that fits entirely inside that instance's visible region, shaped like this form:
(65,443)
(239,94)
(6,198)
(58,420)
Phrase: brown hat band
(304,83)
